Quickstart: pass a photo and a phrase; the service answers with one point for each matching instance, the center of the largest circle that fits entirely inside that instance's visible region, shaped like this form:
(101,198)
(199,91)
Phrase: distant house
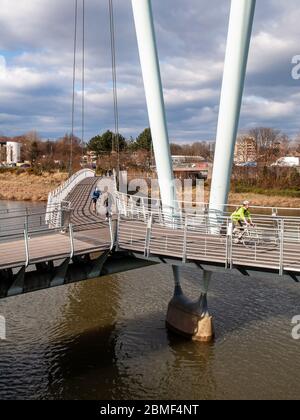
(245,150)
(288,161)
(195,167)
(10,152)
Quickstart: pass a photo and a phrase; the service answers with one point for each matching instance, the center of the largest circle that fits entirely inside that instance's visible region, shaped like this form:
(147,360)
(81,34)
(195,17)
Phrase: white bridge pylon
(238,42)
(237,51)
(144,25)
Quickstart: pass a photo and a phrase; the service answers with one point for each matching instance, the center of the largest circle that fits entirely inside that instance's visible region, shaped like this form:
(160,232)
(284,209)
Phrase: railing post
(144,209)
(281,265)
(229,243)
(184,255)
(61,217)
(148,236)
(26,240)
(71,233)
(27,218)
(112,236)
(132,212)
(118,231)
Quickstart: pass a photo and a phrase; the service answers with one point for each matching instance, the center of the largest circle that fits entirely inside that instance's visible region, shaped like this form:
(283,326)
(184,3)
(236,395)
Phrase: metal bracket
(60,275)
(43,267)
(17,286)
(6,277)
(97,265)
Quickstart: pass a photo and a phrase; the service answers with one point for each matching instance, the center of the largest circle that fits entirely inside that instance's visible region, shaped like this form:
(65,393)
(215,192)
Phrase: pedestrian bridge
(66,241)
(194,234)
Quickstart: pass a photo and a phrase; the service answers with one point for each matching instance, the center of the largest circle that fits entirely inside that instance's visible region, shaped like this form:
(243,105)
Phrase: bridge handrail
(276,240)
(183,205)
(70,229)
(56,198)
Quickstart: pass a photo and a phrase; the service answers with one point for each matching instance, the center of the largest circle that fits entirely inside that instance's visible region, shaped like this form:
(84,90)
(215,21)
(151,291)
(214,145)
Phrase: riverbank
(263,200)
(29,187)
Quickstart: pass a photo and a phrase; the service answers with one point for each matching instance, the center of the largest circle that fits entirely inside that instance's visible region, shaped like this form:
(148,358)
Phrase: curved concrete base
(184,318)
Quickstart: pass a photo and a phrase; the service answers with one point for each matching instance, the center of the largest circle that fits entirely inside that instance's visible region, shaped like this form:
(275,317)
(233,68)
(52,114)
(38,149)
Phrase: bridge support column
(143,18)
(189,318)
(238,42)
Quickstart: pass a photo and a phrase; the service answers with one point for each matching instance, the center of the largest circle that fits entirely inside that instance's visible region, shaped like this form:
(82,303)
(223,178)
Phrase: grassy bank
(265,198)
(284,192)
(28,187)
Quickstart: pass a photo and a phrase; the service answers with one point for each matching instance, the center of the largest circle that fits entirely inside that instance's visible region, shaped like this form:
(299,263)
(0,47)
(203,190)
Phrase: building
(10,152)
(245,150)
(288,162)
(195,167)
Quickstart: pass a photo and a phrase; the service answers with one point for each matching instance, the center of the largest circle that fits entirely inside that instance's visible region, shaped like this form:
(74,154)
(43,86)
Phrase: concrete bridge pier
(190,318)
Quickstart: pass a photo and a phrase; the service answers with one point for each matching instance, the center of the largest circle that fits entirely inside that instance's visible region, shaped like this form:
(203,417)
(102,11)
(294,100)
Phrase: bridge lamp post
(238,42)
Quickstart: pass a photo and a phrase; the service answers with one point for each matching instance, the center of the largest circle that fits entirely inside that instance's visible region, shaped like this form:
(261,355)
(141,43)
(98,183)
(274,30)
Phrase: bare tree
(270,143)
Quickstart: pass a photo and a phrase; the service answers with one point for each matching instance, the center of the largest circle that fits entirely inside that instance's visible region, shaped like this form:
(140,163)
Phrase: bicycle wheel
(250,239)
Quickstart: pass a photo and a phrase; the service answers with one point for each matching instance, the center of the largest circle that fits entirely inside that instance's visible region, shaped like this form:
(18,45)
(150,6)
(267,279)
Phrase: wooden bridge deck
(53,246)
(191,245)
(91,234)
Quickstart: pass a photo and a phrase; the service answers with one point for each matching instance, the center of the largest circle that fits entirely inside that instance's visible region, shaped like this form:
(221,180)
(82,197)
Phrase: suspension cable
(74,81)
(116,136)
(83,80)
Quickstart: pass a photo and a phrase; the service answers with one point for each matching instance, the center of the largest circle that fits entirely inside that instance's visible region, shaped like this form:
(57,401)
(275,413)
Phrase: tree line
(271,145)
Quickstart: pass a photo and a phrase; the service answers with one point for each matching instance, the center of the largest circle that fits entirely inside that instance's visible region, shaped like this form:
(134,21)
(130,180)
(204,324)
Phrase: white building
(245,150)
(10,152)
(288,161)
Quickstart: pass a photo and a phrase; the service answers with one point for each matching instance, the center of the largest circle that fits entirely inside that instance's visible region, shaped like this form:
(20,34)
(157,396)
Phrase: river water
(106,339)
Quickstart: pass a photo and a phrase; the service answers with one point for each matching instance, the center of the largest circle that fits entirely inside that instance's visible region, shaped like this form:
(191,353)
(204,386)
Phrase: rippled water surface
(106,339)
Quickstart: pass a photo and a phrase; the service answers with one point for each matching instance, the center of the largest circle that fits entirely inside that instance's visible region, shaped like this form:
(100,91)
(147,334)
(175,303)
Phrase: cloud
(36,58)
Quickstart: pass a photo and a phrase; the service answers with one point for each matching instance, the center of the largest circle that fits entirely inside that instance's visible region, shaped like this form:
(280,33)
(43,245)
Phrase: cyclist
(241,218)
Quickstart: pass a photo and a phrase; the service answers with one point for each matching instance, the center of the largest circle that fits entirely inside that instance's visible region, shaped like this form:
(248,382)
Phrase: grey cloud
(36,38)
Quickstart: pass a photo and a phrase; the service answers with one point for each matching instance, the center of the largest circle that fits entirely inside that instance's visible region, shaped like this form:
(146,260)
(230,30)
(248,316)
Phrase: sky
(36,66)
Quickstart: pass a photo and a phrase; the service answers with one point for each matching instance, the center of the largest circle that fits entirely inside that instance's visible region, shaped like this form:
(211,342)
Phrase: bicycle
(246,235)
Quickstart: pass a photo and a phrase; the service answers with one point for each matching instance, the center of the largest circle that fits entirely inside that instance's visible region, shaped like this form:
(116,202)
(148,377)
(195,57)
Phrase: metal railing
(203,236)
(28,239)
(57,198)
(126,202)
(13,223)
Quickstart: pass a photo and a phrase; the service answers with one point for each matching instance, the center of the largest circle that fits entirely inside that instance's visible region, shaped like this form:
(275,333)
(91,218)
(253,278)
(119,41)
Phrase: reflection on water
(18,206)
(106,339)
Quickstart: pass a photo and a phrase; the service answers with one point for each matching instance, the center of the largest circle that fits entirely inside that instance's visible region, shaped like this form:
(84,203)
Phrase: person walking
(107,202)
(95,197)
